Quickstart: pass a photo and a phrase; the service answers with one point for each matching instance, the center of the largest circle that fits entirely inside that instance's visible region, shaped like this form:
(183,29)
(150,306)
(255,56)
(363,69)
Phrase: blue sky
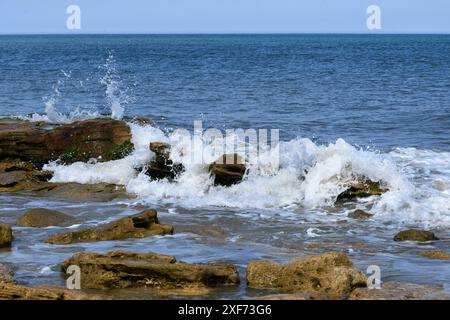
(223,16)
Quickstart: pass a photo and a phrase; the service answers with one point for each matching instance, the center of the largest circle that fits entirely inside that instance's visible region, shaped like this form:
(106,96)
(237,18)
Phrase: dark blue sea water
(379,90)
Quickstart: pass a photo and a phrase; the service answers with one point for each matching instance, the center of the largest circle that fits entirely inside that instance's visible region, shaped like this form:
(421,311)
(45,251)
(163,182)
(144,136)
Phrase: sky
(224,16)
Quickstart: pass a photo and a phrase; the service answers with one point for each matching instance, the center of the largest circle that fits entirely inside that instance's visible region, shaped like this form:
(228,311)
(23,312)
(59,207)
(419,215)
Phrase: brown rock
(5,235)
(161,167)
(415,235)
(127,269)
(301,296)
(366,188)
(436,255)
(39,143)
(8,165)
(228,170)
(330,273)
(399,291)
(41,218)
(35,180)
(144,224)
(6,274)
(360,214)
(100,192)
(11,291)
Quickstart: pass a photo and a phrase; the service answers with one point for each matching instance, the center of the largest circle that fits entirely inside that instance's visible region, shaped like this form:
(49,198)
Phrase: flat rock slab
(11,291)
(331,273)
(400,291)
(128,269)
(41,218)
(141,225)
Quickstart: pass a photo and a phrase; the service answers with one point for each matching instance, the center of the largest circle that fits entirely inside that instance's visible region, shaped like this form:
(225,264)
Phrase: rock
(5,235)
(399,291)
(103,139)
(360,214)
(14,181)
(41,218)
(228,170)
(144,224)
(6,275)
(301,296)
(161,167)
(99,192)
(139,120)
(8,165)
(415,235)
(127,269)
(436,255)
(330,273)
(11,291)
(366,188)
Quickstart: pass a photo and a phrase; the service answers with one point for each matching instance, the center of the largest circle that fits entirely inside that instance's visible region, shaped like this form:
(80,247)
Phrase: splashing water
(114,96)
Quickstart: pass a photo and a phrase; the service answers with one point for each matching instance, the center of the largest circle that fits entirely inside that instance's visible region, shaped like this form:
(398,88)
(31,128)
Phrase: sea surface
(345,106)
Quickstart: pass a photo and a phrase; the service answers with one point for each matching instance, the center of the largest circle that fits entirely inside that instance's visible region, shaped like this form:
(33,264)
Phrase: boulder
(415,235)
(229,169)
(331,273)
(128,269)
(11,291)
(436,255)
(162,167)
(6,236)
(39,142)
(6,275)
(399,291)
(363,189)
(41,218)
(35,180)
(144,224)
(360,214)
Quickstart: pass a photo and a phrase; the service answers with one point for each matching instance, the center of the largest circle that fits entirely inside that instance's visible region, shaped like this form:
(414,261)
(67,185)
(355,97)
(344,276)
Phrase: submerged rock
(399,291)
(436,255)
(144,224)
(366,188)
(127,269)
(6,275)
(6,236)
(11,291)
(37,142)
(161,167)
(41,218)
(360,214)
(331,273)
(415,235)
(228,170)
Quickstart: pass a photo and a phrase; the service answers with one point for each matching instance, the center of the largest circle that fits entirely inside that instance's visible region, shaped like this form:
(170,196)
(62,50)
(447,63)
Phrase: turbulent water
(346,106)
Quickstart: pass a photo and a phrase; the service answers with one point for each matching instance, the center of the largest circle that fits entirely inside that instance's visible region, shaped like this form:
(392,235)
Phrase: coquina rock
(6,236)
(144,224)
(415,235)
(228,170)
(331,273)
(41,218)
(161,167)
(127,269)
(40,142)
(365,188)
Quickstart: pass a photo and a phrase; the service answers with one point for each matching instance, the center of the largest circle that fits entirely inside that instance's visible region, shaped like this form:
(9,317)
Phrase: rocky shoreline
(26,146)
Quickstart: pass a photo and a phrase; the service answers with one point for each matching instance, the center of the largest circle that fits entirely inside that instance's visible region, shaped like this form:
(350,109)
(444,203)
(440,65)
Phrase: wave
(309,176)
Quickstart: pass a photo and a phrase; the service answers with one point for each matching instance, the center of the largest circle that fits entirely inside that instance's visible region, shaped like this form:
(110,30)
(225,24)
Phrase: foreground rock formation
(127,269)
(11,291)
(144,224)
(399,291)
(415,235)
(162,167)
(330,273)
(5,235)
(228,170)
(40,142)
(41,218)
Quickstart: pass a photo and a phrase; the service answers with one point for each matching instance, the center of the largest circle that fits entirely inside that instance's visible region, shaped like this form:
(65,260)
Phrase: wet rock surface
(11,291)
(399,291)
(360,214)
(6,236)
(127,269)
(436,255)
(365,188)
(41,218)
(144,224)
(331,273)
(6,274)
(162,167)
(40,142)
(415,235)
(228,170)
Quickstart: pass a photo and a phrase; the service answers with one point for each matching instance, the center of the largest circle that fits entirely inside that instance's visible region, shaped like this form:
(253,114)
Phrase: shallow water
(376,106)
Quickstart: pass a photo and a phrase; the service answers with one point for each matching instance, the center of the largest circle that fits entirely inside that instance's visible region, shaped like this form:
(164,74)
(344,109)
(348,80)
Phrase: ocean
(372,105)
